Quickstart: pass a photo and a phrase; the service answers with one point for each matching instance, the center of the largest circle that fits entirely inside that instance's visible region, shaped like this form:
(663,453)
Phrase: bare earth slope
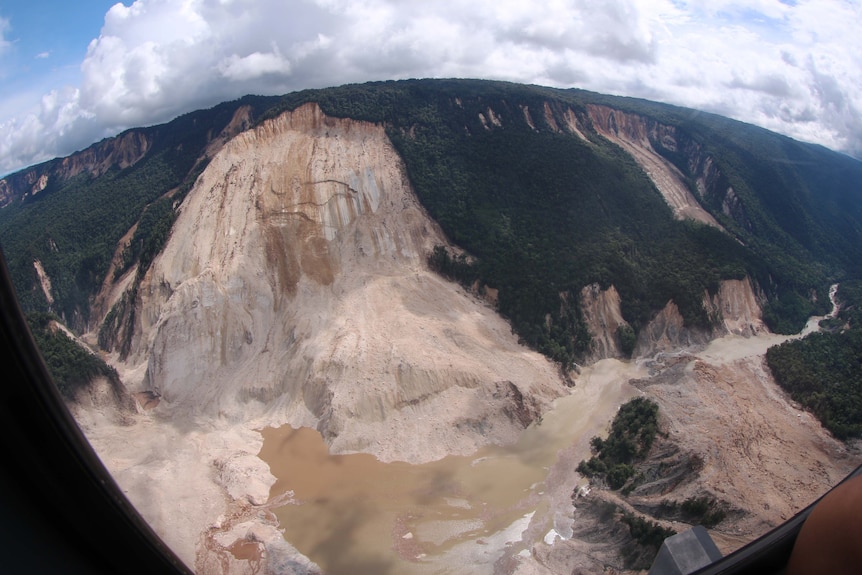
(294,289)
(631,133)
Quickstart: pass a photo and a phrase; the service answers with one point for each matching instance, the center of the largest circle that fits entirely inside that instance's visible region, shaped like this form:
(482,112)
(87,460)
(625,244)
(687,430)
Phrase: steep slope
(295,276)
(633,134)
(71,213)
(294,289)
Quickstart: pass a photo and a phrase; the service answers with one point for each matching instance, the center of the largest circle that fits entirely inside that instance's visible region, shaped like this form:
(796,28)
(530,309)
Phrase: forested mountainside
(525,179)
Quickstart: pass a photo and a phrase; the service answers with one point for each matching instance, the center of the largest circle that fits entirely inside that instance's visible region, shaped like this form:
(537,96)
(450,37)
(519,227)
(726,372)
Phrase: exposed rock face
(295,279)
(294,289)
(649,142)
(734,309)
(122,151)
(601,309)
(666,333)
(240,121)
(737,308)
(713,187)
(44,281)
(634,134)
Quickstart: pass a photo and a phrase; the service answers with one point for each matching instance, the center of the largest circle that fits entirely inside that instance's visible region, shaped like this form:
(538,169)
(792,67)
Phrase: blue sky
(46,42)
(72,73)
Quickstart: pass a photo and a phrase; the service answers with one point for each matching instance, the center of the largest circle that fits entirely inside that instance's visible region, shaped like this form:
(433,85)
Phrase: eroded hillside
(295,275)
(294,289)
(284,279)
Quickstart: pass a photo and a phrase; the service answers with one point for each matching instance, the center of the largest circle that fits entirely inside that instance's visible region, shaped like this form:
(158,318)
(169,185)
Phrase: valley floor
(734,434)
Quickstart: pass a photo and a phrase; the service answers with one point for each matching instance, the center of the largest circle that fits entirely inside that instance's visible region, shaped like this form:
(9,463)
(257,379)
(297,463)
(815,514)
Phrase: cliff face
(650,143)
(295,280)
(121,152)
(601,309)
(734,309)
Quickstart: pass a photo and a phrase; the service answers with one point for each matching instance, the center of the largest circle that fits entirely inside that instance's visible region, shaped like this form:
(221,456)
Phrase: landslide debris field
(440,292)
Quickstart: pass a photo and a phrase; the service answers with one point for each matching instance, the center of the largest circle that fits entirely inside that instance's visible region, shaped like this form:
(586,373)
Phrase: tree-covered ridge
(823,371)
(632,433)
(545,212)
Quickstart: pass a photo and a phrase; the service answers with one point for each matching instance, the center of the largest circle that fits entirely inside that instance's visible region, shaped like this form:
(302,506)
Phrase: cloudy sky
(72,73)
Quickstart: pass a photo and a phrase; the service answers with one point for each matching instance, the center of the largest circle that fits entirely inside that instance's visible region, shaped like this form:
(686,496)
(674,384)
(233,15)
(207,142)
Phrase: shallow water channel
(355,514)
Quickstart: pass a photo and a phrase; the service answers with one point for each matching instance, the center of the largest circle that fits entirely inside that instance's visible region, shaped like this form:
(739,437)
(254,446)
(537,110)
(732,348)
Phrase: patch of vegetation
(632,433)
(823,371)
(456,268)
(702,510)
(71,367)
(628,339)
(648,537)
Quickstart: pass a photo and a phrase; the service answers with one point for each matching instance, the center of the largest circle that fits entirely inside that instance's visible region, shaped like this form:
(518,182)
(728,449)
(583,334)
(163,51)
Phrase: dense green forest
(823,371)
(632,433)
(541,212)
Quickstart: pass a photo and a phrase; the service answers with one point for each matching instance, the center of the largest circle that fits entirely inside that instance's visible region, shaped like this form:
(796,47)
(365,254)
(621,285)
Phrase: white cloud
(240,68)
(794,67)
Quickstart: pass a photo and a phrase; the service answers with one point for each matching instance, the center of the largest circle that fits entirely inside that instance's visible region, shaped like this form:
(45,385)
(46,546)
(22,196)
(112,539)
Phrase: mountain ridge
(736,207)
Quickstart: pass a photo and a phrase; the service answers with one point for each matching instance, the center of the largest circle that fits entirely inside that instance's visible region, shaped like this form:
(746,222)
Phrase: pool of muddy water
(355,514)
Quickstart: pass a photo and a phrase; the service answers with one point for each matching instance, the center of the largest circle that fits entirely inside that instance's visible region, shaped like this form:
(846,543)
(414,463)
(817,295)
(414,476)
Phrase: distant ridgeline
(542,210)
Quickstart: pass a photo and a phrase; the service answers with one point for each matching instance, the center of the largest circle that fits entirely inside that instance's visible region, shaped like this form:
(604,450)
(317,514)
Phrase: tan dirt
(44,281)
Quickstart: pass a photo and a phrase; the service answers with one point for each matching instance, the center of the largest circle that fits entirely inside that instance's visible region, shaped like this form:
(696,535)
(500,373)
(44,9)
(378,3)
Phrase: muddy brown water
(353,514)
